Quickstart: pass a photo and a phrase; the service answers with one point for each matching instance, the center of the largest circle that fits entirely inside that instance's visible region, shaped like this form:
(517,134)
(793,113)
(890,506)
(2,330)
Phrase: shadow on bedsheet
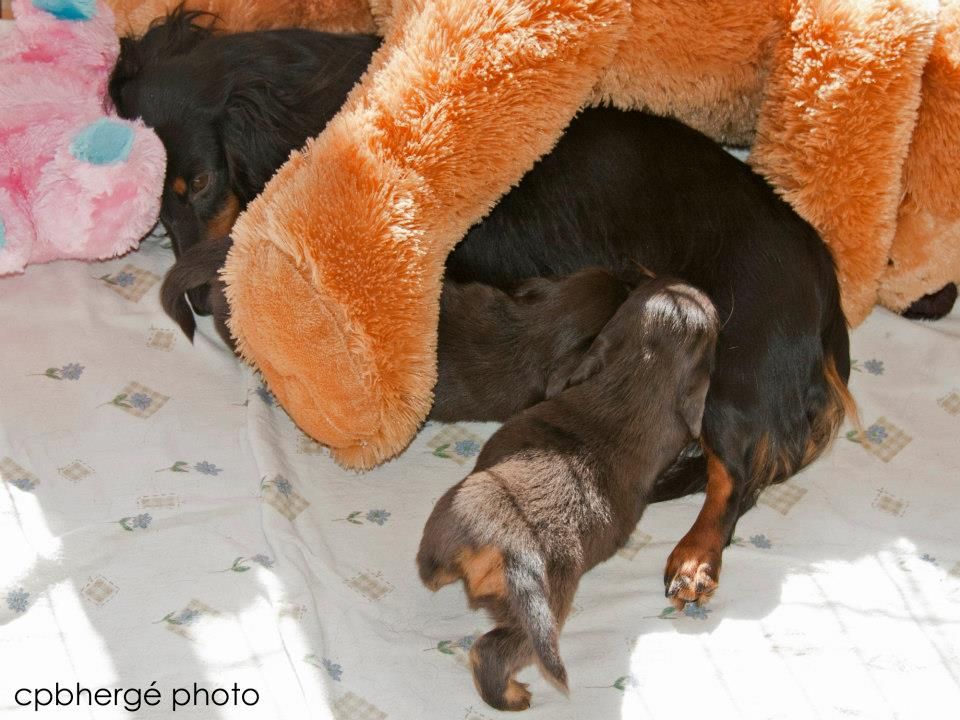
(619,645)
(858,552)
(118,569)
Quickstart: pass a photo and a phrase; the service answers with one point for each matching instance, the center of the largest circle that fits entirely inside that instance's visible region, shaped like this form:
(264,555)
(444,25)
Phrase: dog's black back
(626,187)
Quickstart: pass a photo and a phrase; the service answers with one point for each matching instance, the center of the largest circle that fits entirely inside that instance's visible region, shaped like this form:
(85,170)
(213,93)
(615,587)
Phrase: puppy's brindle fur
(560,487)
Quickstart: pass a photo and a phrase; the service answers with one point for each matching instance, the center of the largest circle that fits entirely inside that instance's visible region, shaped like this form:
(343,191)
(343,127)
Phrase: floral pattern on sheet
(157,503)
(70,371)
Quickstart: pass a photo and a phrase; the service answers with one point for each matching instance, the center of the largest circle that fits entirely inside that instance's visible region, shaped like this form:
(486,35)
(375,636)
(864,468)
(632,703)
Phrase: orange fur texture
(925,254)
(835,127)
(853,108)
(356,227)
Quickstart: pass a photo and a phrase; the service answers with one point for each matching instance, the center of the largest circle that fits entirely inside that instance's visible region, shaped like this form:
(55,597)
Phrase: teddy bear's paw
(71,10)
(103,142)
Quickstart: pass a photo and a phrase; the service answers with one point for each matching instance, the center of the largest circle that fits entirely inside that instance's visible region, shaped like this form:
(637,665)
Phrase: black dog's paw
(933,306)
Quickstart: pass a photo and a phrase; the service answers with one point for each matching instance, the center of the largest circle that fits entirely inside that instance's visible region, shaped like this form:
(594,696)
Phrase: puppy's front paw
(692,575)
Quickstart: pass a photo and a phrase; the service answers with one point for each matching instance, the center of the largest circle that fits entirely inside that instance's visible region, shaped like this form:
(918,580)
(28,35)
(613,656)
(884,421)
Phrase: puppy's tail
(529,597)
(198,266)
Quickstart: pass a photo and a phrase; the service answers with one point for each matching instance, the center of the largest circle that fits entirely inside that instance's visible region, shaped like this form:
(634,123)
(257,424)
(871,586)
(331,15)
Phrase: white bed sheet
(161,520)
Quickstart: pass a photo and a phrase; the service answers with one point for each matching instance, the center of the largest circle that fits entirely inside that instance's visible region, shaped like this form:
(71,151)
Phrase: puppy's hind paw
(516,696)
(494,659)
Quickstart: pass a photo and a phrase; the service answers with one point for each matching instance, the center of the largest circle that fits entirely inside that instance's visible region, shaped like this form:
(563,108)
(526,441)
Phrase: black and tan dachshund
(618,190)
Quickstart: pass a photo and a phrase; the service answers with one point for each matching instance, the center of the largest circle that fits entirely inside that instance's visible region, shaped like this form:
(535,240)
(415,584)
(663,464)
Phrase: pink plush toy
(75,180)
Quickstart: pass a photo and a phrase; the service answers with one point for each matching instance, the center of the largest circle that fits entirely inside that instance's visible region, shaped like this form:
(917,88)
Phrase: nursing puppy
(499,352)
(560,487)
(502,351)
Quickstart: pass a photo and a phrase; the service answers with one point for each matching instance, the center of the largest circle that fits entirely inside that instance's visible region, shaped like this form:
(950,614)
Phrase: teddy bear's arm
(925,254)
(335,274)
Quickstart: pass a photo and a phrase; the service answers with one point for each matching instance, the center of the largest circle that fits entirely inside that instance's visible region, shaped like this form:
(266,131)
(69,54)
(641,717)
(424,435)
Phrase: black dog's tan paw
(690,579)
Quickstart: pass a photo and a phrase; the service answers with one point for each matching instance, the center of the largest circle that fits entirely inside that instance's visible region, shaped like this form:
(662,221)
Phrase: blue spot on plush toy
(104,142)
(68,9)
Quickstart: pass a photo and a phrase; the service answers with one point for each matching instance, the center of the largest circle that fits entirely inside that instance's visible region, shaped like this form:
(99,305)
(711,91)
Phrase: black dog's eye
(199,183)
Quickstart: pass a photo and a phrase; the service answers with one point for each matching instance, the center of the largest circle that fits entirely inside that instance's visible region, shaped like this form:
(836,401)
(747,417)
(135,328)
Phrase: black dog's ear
(199,265)
(254,130)
(276,101)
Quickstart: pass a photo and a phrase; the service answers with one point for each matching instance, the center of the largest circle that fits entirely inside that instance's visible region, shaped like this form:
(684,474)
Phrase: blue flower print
(17,600)
(262,560)
(698,612)
(378,516)
(466,642)
(206,468)
(760,541)
(690,610)
(25,484)
(466,448)
(71,371)
(874,367)
(927,557)
(132,522)
(283,486)
(876,434)
(141,401)
(263,392)
(333,669)
(186,617)
(124,279)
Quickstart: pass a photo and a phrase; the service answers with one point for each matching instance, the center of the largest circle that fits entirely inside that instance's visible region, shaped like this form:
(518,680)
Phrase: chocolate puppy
(560,487)
(198,269)
(500,352)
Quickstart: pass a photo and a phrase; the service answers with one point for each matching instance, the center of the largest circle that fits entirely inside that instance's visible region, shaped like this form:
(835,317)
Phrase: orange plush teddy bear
(852,109)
